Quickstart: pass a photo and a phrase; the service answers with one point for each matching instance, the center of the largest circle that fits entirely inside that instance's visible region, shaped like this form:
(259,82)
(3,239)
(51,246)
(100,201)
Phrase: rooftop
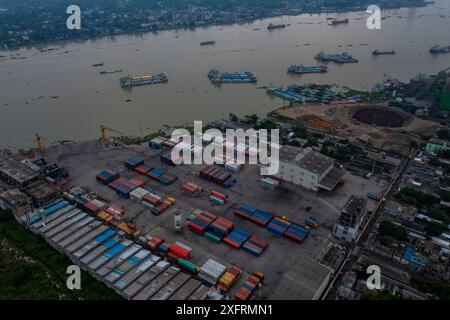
(308,159)
(402,208)
(354,206)
(17,171)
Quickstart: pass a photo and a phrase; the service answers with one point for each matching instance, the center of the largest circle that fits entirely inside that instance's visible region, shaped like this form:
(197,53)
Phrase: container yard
(143,238)
(231,77)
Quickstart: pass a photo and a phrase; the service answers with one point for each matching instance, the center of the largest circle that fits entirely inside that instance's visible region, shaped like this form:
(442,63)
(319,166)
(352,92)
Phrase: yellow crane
(103,130)
(40,141)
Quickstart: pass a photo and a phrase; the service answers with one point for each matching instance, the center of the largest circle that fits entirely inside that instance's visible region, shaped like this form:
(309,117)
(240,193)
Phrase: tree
(268,124)
(389,229)
(233,117)
(434,229)
(443,134)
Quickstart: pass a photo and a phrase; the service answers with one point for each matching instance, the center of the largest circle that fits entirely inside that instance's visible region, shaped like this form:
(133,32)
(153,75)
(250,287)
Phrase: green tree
(389,229)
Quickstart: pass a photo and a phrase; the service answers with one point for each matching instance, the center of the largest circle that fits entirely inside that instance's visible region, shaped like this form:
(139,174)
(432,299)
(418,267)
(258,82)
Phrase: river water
(60,95)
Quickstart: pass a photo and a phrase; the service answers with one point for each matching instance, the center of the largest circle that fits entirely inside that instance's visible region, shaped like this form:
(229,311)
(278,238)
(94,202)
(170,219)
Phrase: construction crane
(103,130)
(40,142)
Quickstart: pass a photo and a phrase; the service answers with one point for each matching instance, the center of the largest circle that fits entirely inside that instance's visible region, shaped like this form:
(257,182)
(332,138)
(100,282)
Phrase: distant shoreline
(45,44)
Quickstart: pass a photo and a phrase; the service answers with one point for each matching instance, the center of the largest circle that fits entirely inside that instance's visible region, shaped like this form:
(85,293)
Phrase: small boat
(336,21)
(378,52)
(98,64)
(109,72)
(275,26)
(207,43)
(440,49)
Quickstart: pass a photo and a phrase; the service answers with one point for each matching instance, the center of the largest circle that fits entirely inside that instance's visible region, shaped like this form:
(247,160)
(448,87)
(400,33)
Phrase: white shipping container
(139,193)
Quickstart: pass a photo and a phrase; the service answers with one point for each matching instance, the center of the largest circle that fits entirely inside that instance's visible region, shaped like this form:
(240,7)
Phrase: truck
(373,195)
(229,278)
(249,286)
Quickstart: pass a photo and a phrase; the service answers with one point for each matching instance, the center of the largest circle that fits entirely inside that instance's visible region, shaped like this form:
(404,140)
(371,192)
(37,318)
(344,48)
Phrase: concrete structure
(350,219)
(308,169)
(400,211)
(16,173)
(16,201)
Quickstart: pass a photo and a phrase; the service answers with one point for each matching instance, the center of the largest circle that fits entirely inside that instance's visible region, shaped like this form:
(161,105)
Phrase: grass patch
(31,269)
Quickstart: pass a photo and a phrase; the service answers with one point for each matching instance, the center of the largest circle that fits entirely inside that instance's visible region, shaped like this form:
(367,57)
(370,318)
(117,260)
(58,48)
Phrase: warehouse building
(350,219)
(16,173)
(308,169)
(15,201)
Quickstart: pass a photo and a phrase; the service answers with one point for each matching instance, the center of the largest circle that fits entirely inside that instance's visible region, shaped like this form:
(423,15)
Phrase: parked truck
(373,195)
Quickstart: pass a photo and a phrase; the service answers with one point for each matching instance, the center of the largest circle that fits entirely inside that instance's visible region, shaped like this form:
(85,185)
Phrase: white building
(308,169)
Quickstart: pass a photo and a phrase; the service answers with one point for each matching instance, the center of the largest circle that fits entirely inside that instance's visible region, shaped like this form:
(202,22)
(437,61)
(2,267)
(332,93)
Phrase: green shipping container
(212,237)
(187,265)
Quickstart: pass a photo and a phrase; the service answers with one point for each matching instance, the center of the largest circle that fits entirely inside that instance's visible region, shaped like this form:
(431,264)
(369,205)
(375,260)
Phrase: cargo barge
(231,77)
(300,69)
(109,72)
(337,58)
(272,26)
(440,49)
(378,52)
(135,81)
(207,43)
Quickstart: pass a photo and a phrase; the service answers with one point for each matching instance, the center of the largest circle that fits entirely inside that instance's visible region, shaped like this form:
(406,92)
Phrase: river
(59,94)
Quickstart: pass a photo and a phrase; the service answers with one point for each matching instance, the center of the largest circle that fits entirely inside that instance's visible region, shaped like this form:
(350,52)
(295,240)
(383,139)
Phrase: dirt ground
(343,125)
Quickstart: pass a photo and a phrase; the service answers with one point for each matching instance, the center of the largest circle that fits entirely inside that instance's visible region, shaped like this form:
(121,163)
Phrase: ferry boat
(231,77)
(300,69)
(128,82)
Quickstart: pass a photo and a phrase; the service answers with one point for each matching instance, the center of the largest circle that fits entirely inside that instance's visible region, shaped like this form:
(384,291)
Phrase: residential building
(400,211)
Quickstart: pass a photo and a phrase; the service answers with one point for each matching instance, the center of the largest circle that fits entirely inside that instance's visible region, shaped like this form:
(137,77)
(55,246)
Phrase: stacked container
(142,170)
(155,173)
(246,290)
(163,206)
(151,200)
(123,186)
(217,176)
(218,229)
(200,223)
(156,143)
(311,222)
(94,206)
(211,271)
(139,193)
(218,197)
(255,246)
(296,233)
(154,242)
(236,238)
(178,250)
(107,176)
(245,211)
(229,278)
(166,157)
(279,226)
(167,178)
(191,189)
(188,265)
(133,162)
(261,218)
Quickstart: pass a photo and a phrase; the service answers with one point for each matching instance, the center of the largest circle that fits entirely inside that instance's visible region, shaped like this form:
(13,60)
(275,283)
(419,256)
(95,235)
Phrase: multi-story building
(435,146)
(351,218)
(308,169)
